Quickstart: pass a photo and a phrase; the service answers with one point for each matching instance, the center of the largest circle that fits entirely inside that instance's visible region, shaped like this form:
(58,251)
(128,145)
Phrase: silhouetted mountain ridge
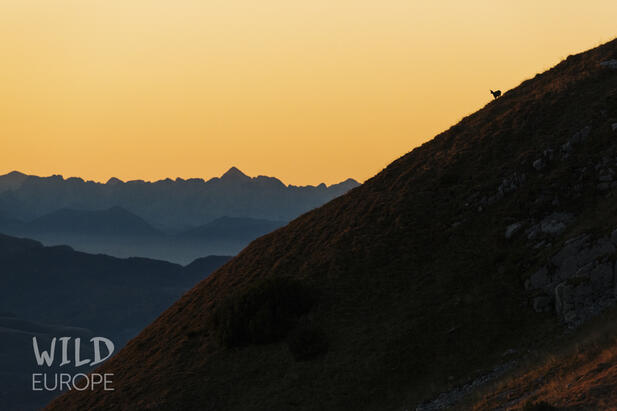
(235,175)
(118,232)
(206,264)
(167,204)
(113,221)
(56,291)
(12,180)
(229,228)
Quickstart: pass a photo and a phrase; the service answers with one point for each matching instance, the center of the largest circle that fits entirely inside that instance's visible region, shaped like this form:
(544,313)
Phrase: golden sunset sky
(308,91)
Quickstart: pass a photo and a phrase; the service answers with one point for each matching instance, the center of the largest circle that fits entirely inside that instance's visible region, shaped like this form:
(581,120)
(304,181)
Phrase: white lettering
(79,362)
(35,387)
(44,357)
(97,349)
(65,350)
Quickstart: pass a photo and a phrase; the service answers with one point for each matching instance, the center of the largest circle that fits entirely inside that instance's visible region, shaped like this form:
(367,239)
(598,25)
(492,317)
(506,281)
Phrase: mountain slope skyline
(314,89)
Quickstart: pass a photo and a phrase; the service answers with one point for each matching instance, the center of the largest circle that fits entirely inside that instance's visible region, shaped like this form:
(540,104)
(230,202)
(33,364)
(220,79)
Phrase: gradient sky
(309,91)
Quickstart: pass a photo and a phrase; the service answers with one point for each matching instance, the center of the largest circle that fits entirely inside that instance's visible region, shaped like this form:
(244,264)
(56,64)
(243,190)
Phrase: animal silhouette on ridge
(496,93)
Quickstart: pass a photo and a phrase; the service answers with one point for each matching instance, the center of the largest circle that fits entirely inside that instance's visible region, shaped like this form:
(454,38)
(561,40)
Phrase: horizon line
(232,169)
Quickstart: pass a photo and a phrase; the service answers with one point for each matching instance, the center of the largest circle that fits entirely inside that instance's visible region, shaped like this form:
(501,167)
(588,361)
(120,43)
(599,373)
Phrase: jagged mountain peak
(234,174)
(114,180)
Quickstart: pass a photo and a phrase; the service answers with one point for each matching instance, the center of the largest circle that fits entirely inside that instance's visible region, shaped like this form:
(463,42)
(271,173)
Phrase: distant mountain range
(56,291)
(169,205)
(120,233)
(229,229)
(174,220)
(113,221)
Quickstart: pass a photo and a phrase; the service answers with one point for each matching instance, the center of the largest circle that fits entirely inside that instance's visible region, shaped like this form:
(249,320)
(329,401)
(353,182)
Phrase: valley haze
(175,220)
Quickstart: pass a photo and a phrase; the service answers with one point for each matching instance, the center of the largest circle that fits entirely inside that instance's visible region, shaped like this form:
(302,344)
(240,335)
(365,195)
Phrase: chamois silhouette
(496,93)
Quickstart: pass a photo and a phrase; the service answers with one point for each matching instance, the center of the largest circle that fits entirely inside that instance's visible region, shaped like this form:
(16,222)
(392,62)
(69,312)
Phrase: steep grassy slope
(580,375)
(416,288)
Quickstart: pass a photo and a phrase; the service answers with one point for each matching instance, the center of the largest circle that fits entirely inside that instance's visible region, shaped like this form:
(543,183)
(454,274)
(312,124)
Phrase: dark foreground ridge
(54,292)
(419,281)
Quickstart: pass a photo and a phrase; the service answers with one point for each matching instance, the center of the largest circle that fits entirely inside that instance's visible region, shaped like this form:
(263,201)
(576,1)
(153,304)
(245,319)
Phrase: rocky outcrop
(578,281)
(516,179)
(553,224)
(610,64)
(540,233)
(512,229)
(577,138)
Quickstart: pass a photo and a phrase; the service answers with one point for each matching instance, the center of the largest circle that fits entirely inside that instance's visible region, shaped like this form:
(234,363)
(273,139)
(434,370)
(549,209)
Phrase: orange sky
(306,91)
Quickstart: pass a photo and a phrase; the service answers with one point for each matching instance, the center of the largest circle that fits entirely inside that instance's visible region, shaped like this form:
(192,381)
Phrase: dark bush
(538,406)
(263,313)
(306,342)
